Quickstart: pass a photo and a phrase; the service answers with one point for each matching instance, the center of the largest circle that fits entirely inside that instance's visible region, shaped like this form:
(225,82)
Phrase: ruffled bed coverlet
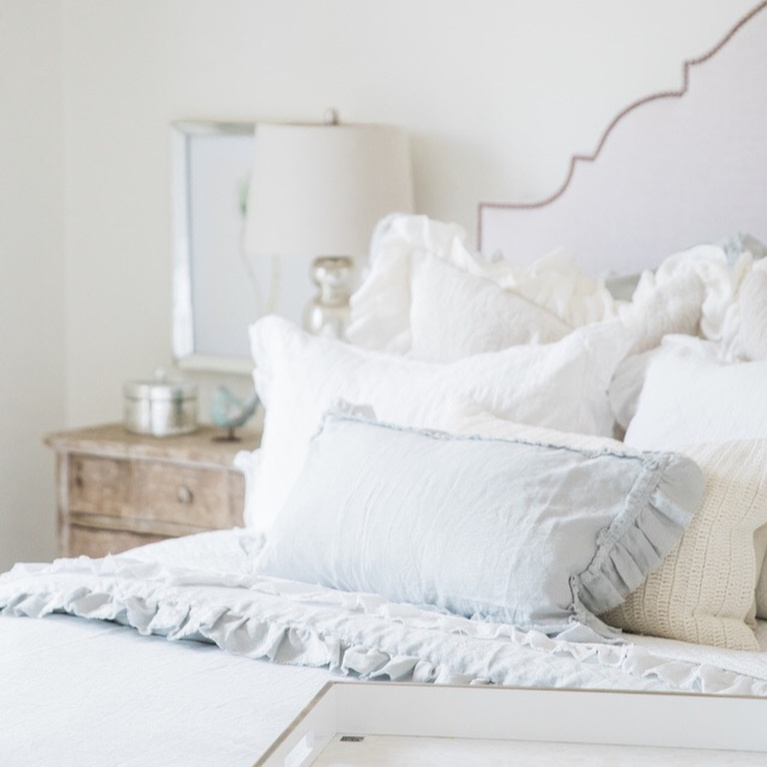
(154,590)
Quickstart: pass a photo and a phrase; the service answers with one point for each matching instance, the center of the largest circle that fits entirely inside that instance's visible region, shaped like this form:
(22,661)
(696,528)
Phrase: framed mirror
(218,289)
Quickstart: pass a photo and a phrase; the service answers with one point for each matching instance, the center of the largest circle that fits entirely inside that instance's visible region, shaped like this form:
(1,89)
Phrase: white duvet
(201,588)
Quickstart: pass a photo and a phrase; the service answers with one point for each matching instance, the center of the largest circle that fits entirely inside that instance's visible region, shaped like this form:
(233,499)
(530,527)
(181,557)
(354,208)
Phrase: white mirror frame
(186,352)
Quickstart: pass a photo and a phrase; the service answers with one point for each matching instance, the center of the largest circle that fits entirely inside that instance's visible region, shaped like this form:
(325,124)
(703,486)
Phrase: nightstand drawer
(181,494)
(100,485)
(117,490)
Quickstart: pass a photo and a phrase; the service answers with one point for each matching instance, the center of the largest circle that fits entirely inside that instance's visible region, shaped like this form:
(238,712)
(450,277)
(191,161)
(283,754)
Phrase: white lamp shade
(320,189)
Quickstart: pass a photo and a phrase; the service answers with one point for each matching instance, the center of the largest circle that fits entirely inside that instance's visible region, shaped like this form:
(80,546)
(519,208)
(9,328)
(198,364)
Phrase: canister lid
(161,387)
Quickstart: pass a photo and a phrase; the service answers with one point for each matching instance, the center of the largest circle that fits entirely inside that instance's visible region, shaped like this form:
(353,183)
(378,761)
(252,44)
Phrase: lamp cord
(262,307)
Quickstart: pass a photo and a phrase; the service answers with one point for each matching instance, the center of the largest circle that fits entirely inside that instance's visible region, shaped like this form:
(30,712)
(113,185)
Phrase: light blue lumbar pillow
(535,535)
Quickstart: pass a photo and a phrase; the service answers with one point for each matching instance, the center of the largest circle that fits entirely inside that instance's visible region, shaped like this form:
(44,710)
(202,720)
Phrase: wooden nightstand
(117,490)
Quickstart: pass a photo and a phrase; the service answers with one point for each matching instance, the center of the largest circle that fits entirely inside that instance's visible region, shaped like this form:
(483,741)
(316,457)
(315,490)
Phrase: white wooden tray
(385,724)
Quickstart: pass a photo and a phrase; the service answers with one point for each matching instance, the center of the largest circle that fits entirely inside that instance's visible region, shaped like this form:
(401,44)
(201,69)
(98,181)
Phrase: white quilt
(186,590)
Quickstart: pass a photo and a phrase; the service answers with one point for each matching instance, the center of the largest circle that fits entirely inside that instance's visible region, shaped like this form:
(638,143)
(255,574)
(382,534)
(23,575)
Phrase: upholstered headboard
(670,171)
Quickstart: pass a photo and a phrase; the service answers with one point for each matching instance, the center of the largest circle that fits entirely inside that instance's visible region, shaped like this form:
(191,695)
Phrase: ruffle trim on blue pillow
(658,509)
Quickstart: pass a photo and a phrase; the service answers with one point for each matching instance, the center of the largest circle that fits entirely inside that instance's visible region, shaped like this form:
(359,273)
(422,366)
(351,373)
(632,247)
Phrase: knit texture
(704,591)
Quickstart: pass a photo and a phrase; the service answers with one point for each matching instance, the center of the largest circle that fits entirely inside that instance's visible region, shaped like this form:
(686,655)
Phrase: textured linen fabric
(539,536)
(626,386)
(689,397)
(189,588)
(381,307)
(704,590)
(462,415)
(753,315)
(454,314)
(298,377)
(660,309)
(722,269)
(691,291)
(90,693)
(631,375)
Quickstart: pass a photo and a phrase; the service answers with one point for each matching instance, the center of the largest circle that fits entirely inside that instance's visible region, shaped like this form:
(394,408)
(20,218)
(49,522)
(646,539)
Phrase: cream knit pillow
(704,590)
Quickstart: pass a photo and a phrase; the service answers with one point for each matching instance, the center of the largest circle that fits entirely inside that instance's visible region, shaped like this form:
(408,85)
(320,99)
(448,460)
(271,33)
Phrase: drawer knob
(185,495)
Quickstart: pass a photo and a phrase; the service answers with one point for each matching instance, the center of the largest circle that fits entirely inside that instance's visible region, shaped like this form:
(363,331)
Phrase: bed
(485,363)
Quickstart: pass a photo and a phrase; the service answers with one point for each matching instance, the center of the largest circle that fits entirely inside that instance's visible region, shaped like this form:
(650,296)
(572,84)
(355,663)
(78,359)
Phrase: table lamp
(319,190)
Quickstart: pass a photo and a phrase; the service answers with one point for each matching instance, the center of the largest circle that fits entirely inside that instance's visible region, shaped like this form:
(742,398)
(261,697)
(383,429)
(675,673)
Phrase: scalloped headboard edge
(674,169)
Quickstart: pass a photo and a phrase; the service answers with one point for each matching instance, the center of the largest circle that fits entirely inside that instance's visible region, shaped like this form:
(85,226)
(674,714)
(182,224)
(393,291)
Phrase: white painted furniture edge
(641,719)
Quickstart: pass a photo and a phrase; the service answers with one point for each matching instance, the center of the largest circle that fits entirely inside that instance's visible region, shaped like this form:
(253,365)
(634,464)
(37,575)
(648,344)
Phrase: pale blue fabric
(538,536)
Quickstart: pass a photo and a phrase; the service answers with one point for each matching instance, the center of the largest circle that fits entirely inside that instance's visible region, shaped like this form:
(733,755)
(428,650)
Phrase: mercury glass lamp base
(327,313)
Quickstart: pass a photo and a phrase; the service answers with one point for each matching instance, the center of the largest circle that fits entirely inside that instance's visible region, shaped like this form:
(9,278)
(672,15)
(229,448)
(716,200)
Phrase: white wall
(31,275)
(497,94)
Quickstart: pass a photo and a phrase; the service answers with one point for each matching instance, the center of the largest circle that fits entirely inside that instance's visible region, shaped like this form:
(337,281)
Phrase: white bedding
(86,693)
(202,588)
(77,692)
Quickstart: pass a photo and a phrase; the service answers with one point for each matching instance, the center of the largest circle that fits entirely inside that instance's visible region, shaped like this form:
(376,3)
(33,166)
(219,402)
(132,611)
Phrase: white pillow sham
(629,379)
(689,397)
(382,306)
(298,377)
(753,315)
(462,415)
(454,314)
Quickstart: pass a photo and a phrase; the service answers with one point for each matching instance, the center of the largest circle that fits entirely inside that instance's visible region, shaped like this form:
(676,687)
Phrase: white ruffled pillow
(723,276)
(382,307)
(454,314)
(658,309)
(298,377)
(428,296)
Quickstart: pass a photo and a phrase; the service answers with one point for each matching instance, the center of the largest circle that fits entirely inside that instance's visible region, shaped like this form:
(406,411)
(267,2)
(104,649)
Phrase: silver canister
(160,406)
